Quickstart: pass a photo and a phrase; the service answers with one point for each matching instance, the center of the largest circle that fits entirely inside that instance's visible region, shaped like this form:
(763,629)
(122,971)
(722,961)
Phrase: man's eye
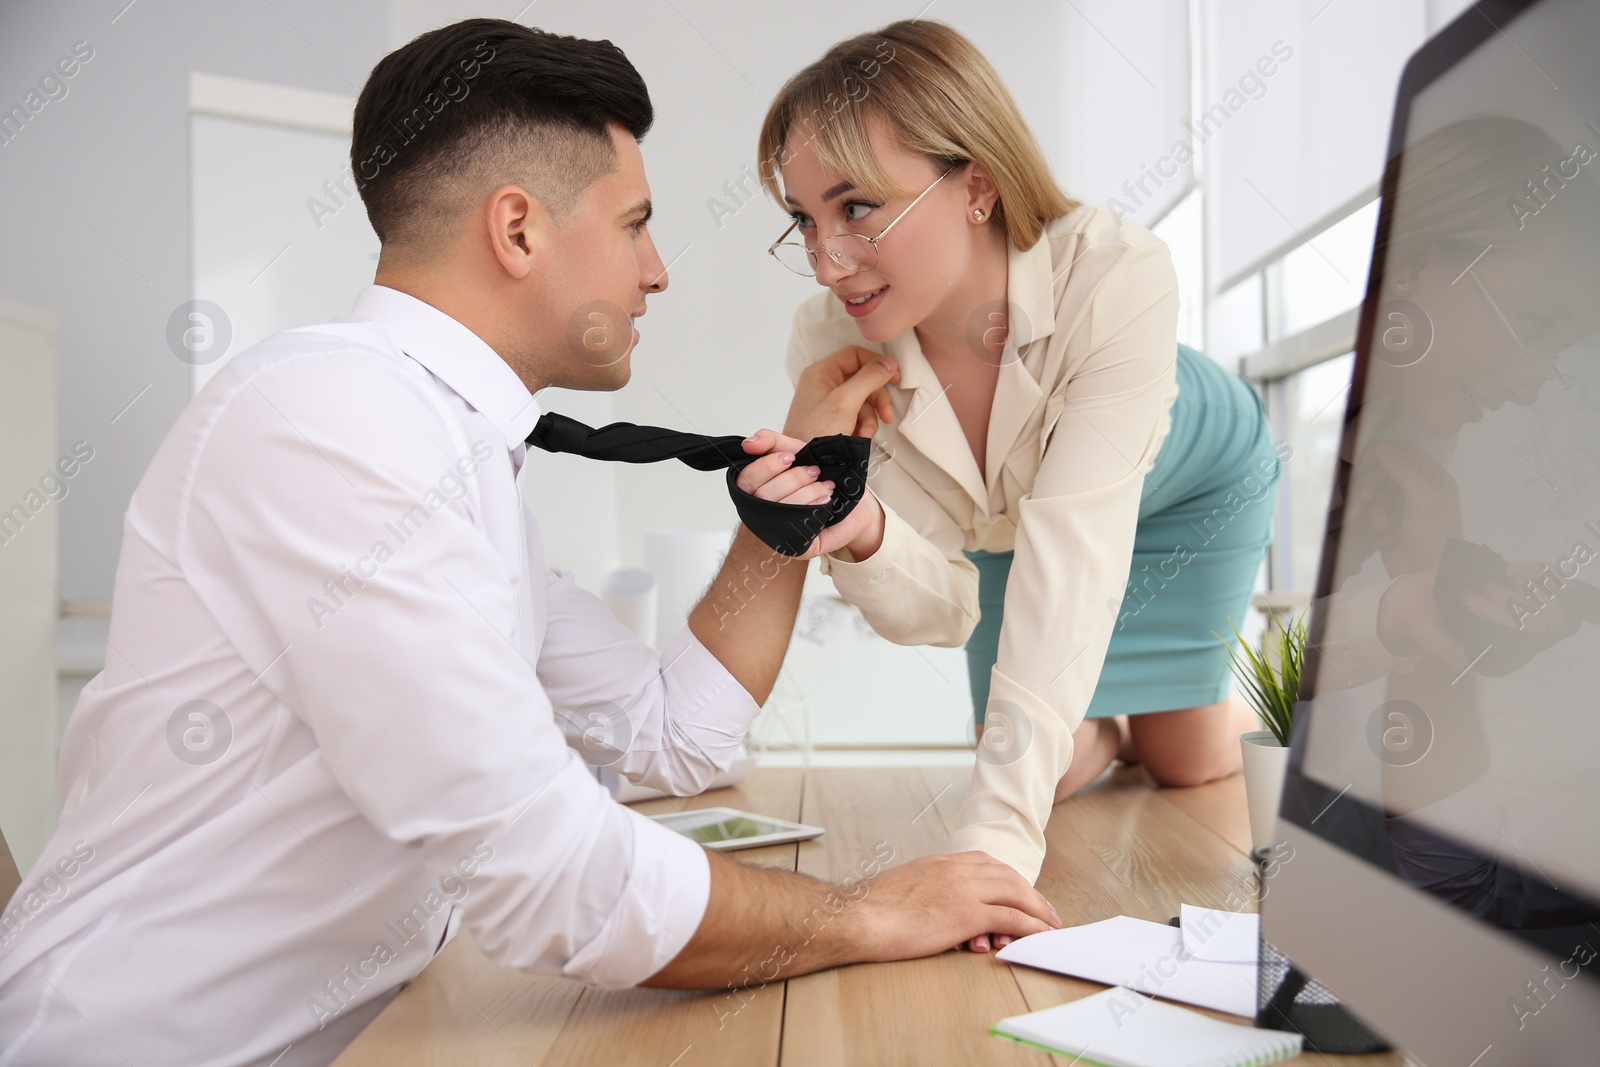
(639,226)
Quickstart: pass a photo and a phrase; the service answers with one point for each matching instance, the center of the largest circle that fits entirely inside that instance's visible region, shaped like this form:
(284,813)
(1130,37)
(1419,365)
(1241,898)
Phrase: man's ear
(519,229)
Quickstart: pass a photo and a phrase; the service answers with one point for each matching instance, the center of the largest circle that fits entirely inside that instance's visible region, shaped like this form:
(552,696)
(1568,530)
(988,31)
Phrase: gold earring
(977,213)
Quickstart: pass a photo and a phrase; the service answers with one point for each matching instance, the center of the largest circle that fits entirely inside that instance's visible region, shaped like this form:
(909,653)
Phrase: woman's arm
(905,571)
(1073,551)
(917,588)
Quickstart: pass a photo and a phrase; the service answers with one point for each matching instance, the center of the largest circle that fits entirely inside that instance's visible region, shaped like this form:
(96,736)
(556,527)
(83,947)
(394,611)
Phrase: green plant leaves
(1269,678)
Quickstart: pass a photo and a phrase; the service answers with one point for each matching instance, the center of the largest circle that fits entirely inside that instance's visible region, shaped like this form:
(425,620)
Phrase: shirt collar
(456,356)
(1030,288)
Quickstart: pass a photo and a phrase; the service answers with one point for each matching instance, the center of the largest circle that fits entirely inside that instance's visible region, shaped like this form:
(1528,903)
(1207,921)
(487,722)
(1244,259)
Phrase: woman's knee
(1183,772)
(1189,746)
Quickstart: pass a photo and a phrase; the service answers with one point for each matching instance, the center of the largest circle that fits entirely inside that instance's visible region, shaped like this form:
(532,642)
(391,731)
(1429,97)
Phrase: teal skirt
(1205,519)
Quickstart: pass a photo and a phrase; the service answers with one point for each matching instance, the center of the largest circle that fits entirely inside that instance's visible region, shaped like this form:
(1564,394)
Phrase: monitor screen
(1450,732)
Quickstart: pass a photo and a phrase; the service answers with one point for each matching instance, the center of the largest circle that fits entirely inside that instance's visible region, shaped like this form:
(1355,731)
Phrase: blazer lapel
(1016,397)
(929,421)
(1031,316)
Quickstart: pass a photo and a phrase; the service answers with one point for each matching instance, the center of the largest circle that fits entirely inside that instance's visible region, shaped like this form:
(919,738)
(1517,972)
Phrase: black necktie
(788,528)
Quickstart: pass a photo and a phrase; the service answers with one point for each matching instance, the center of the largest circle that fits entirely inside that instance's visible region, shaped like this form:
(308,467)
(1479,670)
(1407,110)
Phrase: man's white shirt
(335,713)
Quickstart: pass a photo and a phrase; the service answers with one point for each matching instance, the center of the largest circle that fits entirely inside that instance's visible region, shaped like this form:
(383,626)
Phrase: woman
(1058,484)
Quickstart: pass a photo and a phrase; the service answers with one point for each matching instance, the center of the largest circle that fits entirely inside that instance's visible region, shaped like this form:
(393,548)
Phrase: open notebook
(1121,1028)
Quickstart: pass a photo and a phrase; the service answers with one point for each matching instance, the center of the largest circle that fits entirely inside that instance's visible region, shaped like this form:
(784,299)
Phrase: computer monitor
(1441,813)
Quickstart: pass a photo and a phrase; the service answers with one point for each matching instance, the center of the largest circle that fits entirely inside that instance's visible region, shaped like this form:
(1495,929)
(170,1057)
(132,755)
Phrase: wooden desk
(1120,847)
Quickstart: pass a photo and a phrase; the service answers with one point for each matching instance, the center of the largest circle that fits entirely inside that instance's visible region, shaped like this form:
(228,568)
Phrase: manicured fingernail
(813,471)
(786,458)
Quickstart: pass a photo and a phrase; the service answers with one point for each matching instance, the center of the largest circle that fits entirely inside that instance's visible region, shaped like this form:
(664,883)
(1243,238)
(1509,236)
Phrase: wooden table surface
(1121,847)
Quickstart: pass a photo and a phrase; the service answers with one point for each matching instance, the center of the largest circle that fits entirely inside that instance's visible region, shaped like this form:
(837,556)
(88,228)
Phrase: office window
(1309,410)
(1234,322)
(1328,274)
(1293,128)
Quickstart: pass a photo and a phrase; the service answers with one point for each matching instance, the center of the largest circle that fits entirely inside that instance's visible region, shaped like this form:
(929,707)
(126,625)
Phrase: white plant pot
(1265,762)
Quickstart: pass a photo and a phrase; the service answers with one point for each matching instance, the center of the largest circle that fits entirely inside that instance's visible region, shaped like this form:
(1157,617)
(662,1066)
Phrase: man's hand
(793,924)
(937,902)
(843,393)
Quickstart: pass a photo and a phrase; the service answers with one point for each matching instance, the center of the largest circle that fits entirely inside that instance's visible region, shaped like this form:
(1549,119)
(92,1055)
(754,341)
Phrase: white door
(278,237)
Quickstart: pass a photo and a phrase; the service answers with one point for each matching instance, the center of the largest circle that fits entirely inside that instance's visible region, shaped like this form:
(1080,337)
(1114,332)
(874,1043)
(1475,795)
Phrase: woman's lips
(867,306)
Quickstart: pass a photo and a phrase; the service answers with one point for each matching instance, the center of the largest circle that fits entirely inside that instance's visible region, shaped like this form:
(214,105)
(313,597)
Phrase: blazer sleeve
(1073,551)
(917,588)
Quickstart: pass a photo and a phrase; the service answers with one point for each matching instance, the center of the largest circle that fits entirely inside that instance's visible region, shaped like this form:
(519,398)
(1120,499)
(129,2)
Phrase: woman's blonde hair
(937,95)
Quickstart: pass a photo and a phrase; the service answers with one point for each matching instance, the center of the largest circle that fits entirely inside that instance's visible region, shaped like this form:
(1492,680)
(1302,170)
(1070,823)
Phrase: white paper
(1220,936)
(1141,955)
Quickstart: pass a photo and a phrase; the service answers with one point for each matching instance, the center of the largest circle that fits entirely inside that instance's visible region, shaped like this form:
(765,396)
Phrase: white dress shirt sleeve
(673,721)
(424,706)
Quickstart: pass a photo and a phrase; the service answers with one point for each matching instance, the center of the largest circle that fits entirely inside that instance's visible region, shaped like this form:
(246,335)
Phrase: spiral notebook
(1121,1028)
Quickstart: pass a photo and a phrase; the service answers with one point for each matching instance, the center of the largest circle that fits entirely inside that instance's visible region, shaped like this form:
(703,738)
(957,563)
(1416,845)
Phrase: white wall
(96,197)
(274,265)
(32,491)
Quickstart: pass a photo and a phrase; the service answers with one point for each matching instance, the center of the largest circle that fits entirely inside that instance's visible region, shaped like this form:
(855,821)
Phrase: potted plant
(1269,680)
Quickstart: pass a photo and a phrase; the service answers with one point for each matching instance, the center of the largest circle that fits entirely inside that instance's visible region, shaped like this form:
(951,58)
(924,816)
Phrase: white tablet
(729,828)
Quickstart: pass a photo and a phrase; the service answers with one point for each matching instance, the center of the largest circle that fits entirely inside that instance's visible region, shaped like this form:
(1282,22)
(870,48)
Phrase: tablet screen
(727,828)
(730,829)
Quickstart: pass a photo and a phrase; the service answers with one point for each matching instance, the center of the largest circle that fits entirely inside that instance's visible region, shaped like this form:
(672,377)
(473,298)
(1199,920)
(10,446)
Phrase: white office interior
(197,155)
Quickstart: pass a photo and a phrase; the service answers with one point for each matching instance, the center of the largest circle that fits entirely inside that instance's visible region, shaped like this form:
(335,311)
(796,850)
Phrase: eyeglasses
(855,252)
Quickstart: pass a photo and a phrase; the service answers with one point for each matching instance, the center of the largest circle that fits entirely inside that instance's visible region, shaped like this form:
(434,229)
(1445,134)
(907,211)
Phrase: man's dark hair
(469,107)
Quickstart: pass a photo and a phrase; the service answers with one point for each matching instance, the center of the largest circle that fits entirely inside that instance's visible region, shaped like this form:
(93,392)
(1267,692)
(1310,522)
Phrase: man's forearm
(763,925)
(747,616)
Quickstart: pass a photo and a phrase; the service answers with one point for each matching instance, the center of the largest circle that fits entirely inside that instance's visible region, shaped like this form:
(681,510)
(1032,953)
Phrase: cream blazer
(1083,404)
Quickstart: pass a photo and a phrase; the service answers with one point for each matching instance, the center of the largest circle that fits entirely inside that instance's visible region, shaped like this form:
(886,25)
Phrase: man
(330,723)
